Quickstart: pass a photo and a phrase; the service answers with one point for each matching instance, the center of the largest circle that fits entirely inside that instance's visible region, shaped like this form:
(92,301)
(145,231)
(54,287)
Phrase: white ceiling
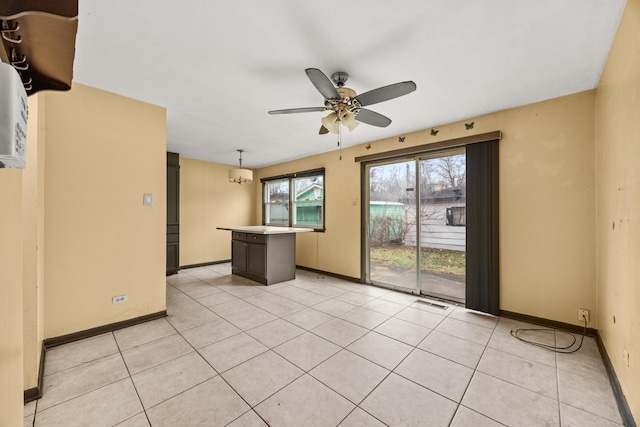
(219,66)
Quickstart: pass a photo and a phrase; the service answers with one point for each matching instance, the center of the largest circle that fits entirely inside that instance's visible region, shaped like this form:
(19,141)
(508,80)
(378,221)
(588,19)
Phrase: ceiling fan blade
(372,118)
(298,110)
(386,93)
(323,130)
(322,83)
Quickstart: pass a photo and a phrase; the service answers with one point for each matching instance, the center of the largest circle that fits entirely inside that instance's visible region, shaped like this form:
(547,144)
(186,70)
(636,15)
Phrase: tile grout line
(369,330)
(291,285)
(245,331)
(219,374)
(390,371)
(90,391)
(307,372)
(278,317)
(144,410)
(555,358)
(148,342)
(196,385)
(35,412)
(475,370)
(175,358)
(246,412)
(557,375)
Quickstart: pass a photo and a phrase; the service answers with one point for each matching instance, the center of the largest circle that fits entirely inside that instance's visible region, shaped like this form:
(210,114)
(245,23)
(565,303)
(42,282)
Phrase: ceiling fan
(345,105)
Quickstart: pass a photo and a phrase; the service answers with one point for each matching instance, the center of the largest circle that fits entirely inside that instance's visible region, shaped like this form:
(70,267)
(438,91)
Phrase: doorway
(415,235)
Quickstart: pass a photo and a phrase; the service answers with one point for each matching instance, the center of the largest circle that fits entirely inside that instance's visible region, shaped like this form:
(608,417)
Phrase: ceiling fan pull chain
(340,139)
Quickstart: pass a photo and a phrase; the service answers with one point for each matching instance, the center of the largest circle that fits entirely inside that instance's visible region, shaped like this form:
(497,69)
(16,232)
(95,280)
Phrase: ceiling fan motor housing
(346,102)
(346,92)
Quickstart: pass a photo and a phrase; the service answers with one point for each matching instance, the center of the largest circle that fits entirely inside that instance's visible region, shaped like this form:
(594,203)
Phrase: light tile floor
(317,351)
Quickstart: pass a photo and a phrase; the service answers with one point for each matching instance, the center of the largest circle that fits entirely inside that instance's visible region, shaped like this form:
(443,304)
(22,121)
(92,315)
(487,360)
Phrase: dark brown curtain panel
(482,285)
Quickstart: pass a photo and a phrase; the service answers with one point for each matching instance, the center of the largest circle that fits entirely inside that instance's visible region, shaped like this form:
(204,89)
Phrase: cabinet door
(172,258)
(173,213)
(257,259)
(239,255)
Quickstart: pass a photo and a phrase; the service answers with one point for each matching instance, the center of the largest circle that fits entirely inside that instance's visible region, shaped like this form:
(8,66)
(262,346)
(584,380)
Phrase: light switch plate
(147,200)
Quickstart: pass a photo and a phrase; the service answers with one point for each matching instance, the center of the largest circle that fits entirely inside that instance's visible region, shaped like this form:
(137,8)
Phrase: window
(294,200)
(308,201)
(457,215)
(276,202)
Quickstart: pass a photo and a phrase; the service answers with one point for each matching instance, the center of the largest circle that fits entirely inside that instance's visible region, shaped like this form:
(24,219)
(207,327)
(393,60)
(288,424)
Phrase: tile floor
(317,351)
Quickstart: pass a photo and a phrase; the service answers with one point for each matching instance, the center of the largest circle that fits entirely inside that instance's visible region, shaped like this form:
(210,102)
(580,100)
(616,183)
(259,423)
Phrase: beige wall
(11,347)
(546,205)
(618,204)
(103,152)
(40,233)
(33,235)
(208,200)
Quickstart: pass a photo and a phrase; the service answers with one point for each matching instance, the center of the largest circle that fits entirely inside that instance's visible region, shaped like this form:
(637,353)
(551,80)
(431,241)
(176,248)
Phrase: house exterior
(442,219)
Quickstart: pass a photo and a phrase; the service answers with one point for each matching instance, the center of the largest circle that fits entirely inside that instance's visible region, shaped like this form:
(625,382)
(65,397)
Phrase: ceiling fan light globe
(330,122)
(349,120)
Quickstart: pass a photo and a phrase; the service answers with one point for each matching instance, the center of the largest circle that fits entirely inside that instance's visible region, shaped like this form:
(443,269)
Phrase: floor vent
(433,304)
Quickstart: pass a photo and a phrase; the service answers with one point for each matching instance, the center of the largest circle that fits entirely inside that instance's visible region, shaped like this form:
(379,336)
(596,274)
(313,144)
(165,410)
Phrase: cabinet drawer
(235,235)
(256,238)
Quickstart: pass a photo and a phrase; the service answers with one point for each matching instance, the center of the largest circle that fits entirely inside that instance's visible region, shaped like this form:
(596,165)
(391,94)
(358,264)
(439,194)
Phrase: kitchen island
(264,254)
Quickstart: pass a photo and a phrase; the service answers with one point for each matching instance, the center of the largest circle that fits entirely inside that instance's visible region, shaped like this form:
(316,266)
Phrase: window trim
(291,203)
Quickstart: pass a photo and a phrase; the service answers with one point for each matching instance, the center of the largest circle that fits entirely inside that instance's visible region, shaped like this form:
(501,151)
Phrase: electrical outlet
(583,313)
(625,355)
(119,299)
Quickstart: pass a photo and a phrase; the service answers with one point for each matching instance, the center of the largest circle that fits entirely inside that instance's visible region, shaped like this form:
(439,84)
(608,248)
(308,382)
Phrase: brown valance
(38,40)
(441,145)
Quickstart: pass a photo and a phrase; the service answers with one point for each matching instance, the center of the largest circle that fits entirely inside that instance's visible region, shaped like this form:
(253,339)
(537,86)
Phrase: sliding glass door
(391,222)
(443,225)
(416,221)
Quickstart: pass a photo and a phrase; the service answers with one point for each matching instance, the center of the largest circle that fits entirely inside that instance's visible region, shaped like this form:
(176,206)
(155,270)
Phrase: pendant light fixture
(240,175)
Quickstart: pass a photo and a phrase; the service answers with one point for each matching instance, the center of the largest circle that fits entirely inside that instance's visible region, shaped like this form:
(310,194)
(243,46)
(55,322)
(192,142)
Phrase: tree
(452,170)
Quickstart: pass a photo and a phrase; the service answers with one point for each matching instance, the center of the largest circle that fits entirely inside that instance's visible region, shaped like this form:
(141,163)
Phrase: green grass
(431,260)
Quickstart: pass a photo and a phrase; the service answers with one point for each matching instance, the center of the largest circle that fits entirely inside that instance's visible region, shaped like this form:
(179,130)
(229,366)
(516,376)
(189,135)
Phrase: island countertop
(265,229)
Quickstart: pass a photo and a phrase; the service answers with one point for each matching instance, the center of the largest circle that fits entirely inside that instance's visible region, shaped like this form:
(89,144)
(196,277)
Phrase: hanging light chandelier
(240,175)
